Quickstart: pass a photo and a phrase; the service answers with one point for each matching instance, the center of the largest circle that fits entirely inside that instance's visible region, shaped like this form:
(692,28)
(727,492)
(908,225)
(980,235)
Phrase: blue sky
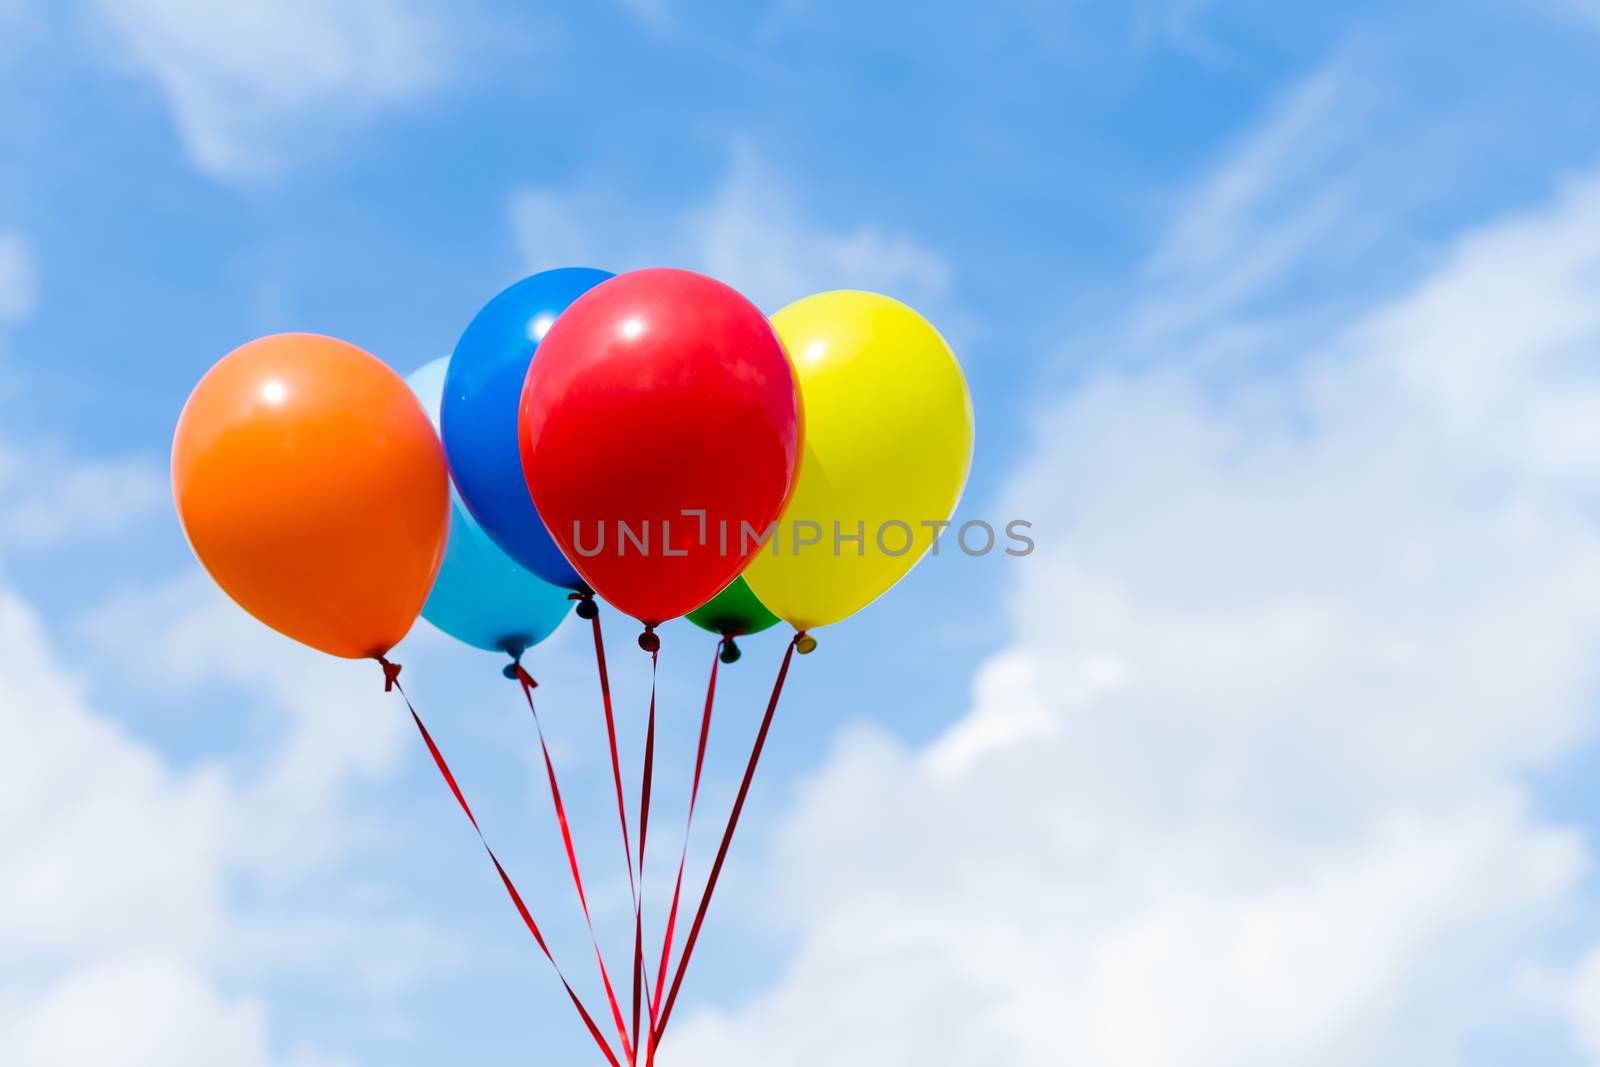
(1282,326)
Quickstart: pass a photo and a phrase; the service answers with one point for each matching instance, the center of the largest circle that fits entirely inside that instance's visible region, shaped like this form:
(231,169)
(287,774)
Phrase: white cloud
(51,500)
(145,1011)
(340,729)
(61,836)
(139,889)
(18,288)
(1250,786)
(749,233)
(252,84)
(1578,994)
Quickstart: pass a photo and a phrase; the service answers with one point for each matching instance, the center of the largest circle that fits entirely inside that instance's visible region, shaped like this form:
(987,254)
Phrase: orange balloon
(314,490)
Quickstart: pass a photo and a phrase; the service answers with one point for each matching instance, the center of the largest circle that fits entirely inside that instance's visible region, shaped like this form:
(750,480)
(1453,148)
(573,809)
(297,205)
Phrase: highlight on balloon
(338,501)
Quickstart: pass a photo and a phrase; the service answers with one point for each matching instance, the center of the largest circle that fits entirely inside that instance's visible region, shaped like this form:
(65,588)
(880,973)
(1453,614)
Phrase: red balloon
(655,396)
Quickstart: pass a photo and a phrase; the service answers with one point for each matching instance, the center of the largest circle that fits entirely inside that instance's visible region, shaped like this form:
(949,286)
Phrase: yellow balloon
(888,442)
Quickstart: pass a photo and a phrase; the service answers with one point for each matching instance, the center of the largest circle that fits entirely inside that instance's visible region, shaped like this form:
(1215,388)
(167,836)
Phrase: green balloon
(733,612)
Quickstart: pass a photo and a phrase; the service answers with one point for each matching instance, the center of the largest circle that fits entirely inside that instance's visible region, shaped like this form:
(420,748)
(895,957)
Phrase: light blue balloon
(482,596)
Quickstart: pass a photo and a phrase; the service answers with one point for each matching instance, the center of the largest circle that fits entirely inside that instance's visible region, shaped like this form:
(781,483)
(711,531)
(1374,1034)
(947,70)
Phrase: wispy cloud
(18,287)
(1297,213)
(52,500)
(252,84)
(748,232)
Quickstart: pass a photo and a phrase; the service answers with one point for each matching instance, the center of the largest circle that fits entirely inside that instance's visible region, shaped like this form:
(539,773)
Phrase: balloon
(483,391)
(311,485)
(481,596)
(888,445)
(660,416)
(732,613)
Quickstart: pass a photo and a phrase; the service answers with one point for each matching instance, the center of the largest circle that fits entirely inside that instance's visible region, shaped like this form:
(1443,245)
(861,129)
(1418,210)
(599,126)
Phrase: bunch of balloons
(313,486)
(650,439)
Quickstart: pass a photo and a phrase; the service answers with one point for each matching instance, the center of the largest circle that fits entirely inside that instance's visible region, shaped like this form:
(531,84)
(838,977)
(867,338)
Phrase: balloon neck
(730,651)
(514,647)
(649,640)
(804,643)
(587,608)
(391,672)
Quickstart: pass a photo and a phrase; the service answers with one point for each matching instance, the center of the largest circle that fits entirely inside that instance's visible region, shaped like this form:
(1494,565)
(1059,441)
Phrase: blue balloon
(482,402)
(482,596)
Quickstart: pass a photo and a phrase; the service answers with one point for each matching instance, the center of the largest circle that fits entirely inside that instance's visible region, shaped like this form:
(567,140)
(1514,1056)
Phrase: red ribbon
(727,839)
(644,829)
(616,762)
(391,681)
(528,685)
(683,856)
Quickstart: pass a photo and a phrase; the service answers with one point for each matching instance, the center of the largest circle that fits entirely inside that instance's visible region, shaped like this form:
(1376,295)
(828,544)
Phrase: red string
(622,805)
(391,681)
(683,856)
(727,839)
(528,685)
(644,829)
(616,761)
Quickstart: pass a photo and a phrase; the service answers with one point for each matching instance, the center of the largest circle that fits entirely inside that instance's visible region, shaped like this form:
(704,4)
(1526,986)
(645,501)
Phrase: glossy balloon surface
(658,397)
(479,413)
(313,489)
(888,446)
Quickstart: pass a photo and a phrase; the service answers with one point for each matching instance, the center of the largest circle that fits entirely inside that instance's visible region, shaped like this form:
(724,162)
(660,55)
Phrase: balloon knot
(391,673)
(649,641)
(804,643)
(587,608)
(730,651)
